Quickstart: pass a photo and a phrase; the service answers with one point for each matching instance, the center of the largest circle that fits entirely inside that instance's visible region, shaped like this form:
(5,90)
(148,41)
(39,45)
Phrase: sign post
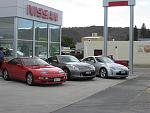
(105,32)
(131,39)
(112,3)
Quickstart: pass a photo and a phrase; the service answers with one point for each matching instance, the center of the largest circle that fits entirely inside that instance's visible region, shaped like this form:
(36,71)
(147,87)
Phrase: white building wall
(140,55)
(120,50)
(12,8)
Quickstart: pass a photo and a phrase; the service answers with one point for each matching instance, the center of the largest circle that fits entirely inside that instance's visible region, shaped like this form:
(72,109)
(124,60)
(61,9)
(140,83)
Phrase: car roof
(27,58)
(94,56)
(59,55)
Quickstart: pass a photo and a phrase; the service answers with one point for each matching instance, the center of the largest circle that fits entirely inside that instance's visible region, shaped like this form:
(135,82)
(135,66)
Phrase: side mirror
(19,65)
(93,61)
(55,61)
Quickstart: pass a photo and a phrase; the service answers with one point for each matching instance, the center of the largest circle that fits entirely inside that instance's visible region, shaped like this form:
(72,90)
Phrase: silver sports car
(73,67)
(105,67)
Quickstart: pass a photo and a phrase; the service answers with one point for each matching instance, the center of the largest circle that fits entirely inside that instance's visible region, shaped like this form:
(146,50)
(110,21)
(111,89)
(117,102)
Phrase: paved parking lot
(17,97)
(131,96)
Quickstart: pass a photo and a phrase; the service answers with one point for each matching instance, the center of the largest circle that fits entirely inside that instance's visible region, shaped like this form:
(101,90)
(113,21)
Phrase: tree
(127,37)
(148,33)
(143,30)
(135,33)
(68,42)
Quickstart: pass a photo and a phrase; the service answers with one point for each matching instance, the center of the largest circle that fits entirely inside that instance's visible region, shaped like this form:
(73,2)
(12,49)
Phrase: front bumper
(87,74)
(118,73)
(50,80)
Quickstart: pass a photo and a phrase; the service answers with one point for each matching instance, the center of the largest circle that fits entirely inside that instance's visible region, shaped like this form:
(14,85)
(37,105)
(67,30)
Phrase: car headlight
(43,78)
(61,72)
(73,67)
(93,68)
(44,72)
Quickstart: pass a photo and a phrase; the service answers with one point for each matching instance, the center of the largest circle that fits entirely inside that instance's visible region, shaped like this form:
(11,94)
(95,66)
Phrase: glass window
(52,59)
(15,61)
(8,47)
(25,29)
(6,28)
(34,62)
(68,58)
(41,49)
(104,59)
(41,31)
(25,48)
(7,35)
(54,49)
(55,33)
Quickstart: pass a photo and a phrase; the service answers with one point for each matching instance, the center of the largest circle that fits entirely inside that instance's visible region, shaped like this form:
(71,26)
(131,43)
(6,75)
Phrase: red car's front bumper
(50,80)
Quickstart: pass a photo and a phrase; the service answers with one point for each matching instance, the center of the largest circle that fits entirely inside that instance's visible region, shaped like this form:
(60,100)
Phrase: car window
(34,62)
(104,60)
(99,59)
(15,61)
(68,58)
(89,59)
(53,59)
(86,59)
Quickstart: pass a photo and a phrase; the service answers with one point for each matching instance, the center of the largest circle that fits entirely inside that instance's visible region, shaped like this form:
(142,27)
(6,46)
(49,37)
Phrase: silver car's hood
(116,65)
(78,64)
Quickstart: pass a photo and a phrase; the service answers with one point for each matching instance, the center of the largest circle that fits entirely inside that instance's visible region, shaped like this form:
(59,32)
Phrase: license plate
(57,79)
(88,73)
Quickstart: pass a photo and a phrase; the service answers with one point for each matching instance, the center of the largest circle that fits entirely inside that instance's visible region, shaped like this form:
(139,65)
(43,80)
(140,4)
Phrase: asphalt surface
(18,97)
(131,96)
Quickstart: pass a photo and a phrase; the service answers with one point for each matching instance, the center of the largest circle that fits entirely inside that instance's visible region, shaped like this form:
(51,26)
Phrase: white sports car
(105,67)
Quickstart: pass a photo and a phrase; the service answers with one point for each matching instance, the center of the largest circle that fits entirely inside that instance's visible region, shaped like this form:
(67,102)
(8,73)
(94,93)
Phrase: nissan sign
(41,13)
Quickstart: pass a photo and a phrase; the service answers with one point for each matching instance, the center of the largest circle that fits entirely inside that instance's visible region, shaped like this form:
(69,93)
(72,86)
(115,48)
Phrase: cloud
(91,12)
(143,3)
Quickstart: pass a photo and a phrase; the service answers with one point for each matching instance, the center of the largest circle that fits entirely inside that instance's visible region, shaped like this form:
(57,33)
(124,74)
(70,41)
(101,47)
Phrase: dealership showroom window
(35,32)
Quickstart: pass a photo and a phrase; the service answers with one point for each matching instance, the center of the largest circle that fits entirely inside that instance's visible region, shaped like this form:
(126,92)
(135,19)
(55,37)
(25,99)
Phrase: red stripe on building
(119,3)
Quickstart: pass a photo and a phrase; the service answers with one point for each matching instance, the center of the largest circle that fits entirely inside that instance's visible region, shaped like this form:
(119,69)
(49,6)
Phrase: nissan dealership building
(29,29)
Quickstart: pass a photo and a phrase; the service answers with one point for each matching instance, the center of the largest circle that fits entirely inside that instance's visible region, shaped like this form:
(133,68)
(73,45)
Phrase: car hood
(78,64)
(116,65)
(44,68)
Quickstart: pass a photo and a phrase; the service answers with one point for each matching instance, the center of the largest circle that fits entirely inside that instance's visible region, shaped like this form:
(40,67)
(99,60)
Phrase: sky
(83,13)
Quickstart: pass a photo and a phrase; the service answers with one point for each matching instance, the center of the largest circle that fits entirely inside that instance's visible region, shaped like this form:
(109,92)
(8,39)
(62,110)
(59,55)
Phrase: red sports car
(32,70)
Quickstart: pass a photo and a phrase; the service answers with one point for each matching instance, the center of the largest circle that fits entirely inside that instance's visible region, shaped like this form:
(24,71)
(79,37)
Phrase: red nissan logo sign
(41,13)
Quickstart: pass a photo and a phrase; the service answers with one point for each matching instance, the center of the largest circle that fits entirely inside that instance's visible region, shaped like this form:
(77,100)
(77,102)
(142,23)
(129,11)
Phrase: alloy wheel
(5,75)
(29,79)
(67,73)
(103,73)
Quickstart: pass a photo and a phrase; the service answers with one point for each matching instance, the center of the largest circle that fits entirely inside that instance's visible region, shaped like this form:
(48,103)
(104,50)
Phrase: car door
(11,67)
(16,69)
(92,61)
(21,73)
(89,60)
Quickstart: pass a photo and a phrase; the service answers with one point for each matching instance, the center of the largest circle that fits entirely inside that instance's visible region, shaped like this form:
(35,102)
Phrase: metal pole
(131,39)
(33,54)
(15,44)
(105,30)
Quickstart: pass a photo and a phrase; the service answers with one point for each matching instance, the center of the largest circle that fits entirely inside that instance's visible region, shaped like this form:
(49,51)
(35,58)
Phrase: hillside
(117,33)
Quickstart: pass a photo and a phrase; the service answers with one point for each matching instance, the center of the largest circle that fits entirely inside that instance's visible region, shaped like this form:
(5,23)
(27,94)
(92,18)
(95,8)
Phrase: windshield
(34,62)
(68,59)
(104,59)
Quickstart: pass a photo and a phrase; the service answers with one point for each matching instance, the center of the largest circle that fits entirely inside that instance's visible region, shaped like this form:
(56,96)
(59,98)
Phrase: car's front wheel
(6,75)
(67,73)
(29,79)
(103,73)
